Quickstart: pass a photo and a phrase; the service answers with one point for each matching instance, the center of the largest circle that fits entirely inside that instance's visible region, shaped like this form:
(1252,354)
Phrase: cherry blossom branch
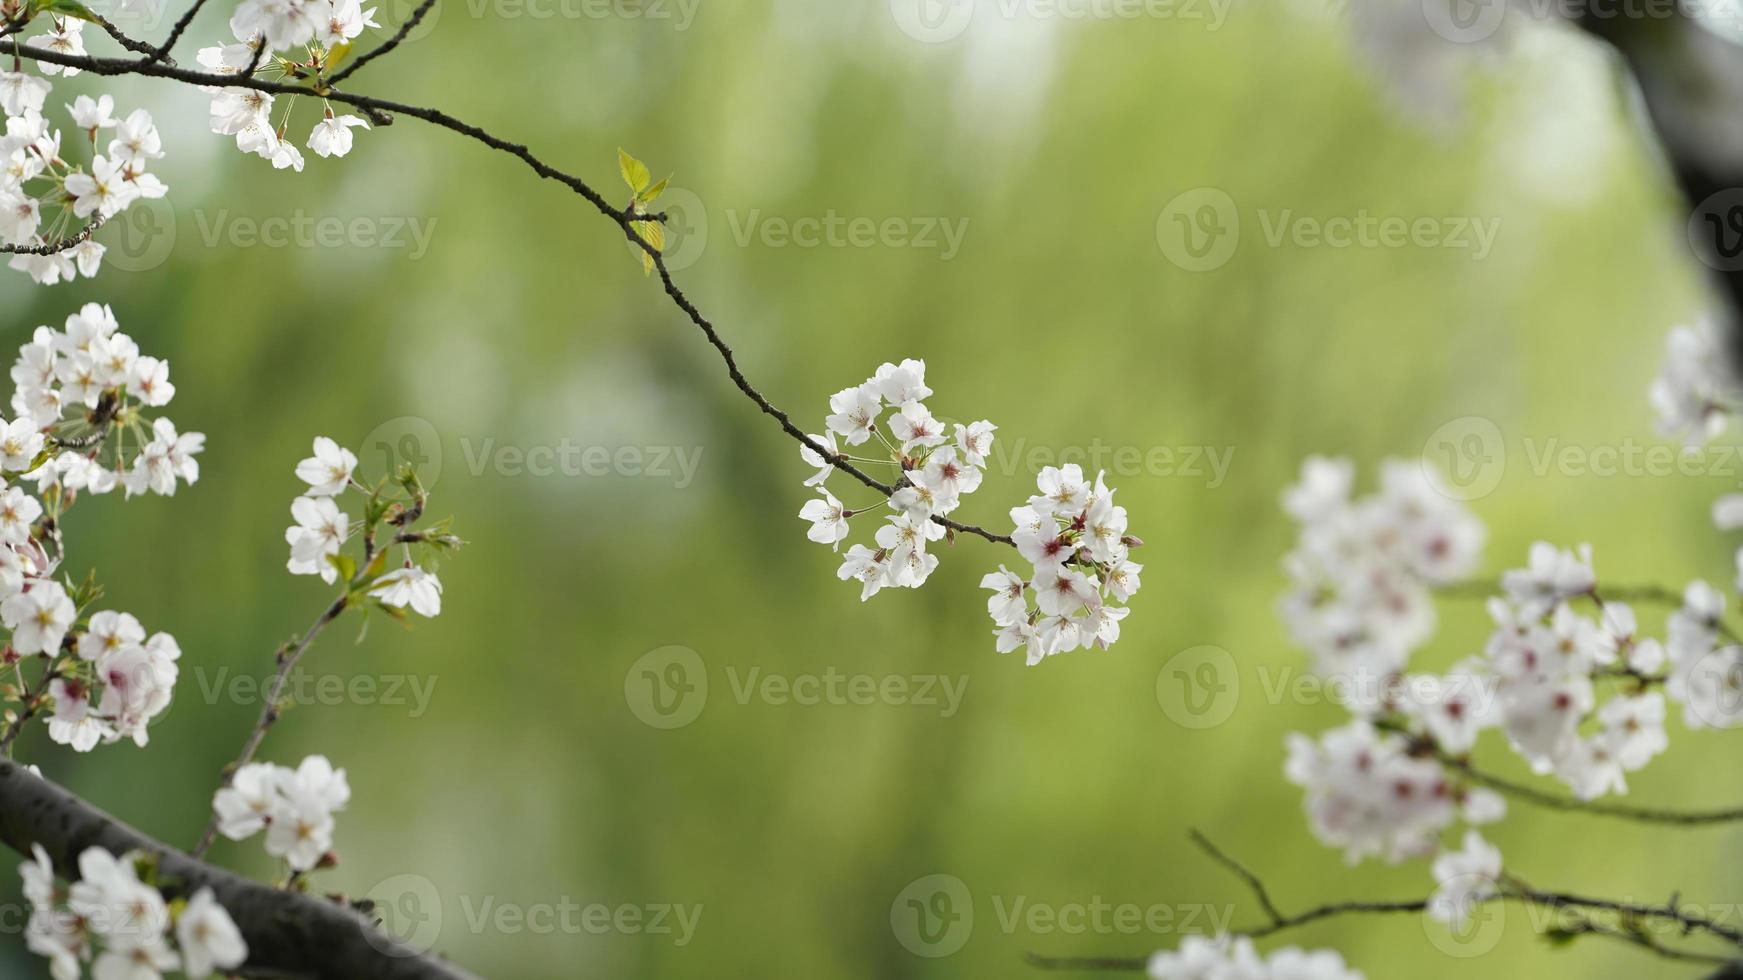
(289,933)
(287,658)
(382,111)
(53,248)
(1511,889)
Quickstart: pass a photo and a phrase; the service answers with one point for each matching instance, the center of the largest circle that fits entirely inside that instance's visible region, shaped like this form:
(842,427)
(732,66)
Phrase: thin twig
(32,704)
(1240,871)
(161,52)
(1571,804)
(380,108)
(270,711)
(1513,890)
(1651,593)
(388,45)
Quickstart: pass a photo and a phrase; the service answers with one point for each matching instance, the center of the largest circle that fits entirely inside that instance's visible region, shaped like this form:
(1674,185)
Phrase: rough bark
(1691,81)
(289,934)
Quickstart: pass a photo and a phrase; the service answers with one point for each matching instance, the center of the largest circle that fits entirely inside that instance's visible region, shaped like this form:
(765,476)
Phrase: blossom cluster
(321,530)
(1225,958)
(1368,793)
(934,472)
(323,30)
(46,199)
(1362,569)
(1697,388)
(119,683)
(1071,532)
(79,391)
(121,924)
(84,390)
(1566,675)
(1074,537)
(294,807)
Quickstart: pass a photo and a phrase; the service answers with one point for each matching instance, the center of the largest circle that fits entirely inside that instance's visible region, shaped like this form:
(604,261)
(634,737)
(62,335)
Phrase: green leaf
(635,173)
(346,565)
(70,8)
(377,565)
(647,196)
(654,234)
(47,454)
(337,55)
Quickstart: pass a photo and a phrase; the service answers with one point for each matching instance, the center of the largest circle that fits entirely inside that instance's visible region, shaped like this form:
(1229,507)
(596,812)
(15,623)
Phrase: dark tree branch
(1692,81)
(289,934)
(121,38)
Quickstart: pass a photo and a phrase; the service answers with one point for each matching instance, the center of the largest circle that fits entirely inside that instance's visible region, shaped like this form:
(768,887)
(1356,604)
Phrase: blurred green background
(528,781)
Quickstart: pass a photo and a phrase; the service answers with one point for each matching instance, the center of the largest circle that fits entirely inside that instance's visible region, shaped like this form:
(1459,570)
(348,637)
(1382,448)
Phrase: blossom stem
(32,704)
(270,710)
